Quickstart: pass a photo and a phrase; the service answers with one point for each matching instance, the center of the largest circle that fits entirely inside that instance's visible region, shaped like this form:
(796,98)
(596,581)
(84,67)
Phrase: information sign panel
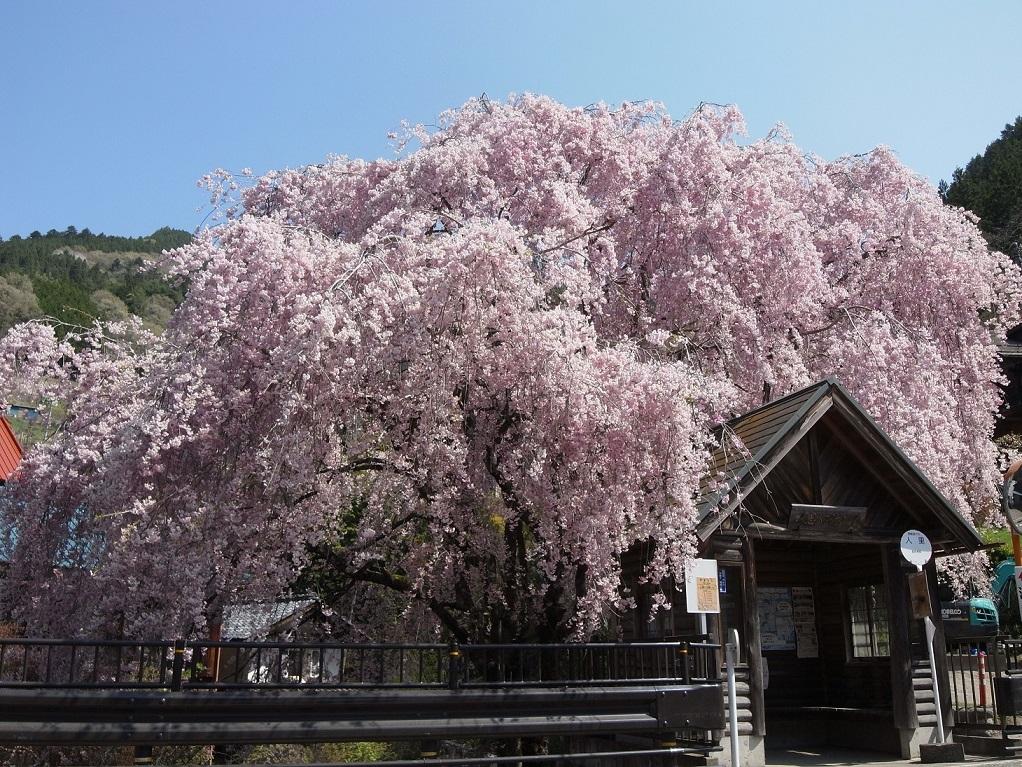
(776,618)
(702,594)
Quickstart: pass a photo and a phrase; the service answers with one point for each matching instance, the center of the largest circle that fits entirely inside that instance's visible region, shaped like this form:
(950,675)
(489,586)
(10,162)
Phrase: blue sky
(112,110)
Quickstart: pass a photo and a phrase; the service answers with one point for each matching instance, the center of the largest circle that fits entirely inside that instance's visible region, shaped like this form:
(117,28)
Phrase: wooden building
(1010,353)
(805,524)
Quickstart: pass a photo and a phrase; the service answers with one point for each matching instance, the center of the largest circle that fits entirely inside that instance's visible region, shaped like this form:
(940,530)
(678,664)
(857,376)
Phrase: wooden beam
(902,696)
(814,467)
(753,647)
(775,533)
(907,472)
(897,493)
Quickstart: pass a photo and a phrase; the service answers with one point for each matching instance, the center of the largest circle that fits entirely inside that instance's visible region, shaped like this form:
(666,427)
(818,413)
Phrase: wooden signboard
(919,595)
(827,519)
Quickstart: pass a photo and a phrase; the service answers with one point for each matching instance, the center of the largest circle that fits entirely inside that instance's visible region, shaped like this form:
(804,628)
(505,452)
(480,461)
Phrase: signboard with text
(916,548)
(702,589)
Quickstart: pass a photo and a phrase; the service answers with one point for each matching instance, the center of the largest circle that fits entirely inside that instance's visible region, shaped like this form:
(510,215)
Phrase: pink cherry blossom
(479,372)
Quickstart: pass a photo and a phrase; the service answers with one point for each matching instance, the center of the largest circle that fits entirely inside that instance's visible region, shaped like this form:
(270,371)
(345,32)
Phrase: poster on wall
(804,616)
(776,619)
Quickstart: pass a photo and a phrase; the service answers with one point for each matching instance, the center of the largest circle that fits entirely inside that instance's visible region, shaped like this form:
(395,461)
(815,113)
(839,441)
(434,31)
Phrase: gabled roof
(258,620)
(10,450)
(754,443)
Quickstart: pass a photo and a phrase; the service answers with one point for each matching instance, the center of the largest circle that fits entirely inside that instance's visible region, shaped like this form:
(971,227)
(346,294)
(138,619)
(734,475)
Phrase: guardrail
(177,665)
(91,692)
(148,717)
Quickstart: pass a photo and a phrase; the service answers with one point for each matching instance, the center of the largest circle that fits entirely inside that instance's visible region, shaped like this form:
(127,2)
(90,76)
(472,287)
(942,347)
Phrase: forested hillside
(75,276)
(991,187)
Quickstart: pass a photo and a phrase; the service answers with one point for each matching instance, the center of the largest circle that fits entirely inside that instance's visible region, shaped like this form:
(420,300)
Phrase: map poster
(804,616)
(776,621)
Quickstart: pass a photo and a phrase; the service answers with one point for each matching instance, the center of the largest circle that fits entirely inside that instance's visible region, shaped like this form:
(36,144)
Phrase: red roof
(10,450)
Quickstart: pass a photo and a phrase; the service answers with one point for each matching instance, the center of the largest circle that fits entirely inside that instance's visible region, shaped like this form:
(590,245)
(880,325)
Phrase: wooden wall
(834,679)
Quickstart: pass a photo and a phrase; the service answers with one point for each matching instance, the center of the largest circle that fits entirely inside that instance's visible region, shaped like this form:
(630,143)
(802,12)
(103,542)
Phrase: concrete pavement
(839,757)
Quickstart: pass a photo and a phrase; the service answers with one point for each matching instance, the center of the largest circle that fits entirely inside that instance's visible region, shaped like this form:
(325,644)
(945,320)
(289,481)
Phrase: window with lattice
(867,613)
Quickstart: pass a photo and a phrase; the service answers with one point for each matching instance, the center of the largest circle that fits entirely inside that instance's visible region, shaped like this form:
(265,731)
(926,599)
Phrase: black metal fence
(176,665)
(95,692)
(985,684)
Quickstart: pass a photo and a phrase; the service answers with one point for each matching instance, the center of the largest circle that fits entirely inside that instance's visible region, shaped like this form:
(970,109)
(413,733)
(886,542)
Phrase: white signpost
(702,596)
(731,656)
(917,549)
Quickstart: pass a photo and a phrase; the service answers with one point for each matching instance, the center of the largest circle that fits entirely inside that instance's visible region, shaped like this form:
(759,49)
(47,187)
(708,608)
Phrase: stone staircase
(744,703)
(922,690)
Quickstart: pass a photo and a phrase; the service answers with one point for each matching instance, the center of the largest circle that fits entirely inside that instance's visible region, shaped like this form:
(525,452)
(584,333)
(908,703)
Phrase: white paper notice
(804,617)
(776,625)
(702,591)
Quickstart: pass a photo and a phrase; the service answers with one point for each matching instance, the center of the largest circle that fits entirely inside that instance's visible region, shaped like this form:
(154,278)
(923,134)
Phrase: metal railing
(176,665)
(985,677)
(94,692)
(1012,649)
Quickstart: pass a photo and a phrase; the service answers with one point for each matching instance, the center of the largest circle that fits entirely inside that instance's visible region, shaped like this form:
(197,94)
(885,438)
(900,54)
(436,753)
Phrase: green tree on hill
(76,276)
(18,300)
(991,187)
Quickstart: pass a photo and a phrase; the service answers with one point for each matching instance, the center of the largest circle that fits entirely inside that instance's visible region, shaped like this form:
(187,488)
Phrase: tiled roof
(10,450)
(257,620)
(745,441)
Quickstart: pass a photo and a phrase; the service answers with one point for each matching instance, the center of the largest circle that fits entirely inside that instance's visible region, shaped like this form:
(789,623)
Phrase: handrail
(145,664)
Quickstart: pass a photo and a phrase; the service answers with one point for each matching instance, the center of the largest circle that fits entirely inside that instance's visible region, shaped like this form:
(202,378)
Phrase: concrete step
(744,728)
(743,702)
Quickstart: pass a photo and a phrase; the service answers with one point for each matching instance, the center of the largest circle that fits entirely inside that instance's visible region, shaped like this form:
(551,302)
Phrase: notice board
(776,618)
(787,620)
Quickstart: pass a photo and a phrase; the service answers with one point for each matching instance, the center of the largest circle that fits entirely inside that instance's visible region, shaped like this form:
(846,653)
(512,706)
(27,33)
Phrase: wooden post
(213,656)
(902,696)
(177,668)
(752,642)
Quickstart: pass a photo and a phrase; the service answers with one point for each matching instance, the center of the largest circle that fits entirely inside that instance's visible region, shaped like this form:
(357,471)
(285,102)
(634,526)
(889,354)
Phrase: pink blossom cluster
(478,373)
